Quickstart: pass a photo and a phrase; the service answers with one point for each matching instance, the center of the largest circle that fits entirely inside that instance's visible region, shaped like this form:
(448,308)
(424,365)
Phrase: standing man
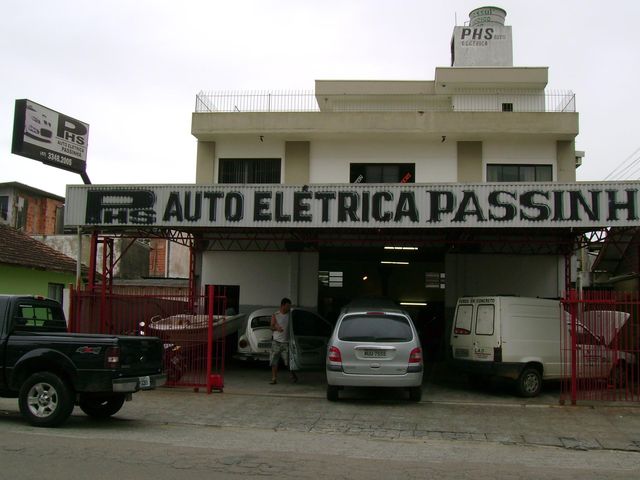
(280,342)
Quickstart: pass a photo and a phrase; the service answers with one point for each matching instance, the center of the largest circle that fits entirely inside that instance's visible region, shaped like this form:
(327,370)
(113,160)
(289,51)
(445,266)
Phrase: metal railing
(307,101)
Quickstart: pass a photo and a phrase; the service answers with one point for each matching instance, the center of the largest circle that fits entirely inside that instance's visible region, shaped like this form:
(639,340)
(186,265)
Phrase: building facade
(480,121)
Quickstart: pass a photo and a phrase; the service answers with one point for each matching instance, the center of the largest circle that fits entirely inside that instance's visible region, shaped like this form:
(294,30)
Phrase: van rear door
(461,334)
(486,338)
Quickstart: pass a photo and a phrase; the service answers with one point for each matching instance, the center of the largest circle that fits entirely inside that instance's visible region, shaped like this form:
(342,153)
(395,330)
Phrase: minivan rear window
(375,328)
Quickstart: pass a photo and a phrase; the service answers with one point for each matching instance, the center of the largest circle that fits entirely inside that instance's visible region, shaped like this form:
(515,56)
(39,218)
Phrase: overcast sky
(132,69)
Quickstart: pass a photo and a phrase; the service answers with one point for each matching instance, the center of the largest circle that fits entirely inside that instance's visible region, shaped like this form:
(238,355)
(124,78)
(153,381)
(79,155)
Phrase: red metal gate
(600,342)
(192,327)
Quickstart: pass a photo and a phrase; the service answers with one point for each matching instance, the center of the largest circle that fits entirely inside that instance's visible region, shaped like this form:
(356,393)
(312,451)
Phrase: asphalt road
(142,442)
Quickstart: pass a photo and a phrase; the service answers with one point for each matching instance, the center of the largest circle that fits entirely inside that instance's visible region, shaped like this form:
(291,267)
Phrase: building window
(519,173)
(382,173)
(507,107)
(20,216)
(249,170)
(330,279)
(4,207)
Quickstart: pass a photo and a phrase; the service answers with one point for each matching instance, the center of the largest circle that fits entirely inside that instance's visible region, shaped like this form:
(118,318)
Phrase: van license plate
(462,352)
(145,382)
(374,353)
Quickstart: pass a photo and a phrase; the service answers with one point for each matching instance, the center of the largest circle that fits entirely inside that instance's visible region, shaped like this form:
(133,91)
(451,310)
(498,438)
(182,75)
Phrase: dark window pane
(519,173)
(527,173)
(308,324)
(544,173)
(382,173)
(249,170)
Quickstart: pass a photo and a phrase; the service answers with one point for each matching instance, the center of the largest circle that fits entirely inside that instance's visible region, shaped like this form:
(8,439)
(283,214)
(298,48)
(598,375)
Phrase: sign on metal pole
(50,137)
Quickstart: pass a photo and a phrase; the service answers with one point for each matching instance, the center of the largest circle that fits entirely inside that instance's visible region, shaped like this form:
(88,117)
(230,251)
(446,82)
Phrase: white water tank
(486,15)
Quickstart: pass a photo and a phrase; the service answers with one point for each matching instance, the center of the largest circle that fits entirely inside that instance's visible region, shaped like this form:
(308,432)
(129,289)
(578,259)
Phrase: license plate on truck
(145,382)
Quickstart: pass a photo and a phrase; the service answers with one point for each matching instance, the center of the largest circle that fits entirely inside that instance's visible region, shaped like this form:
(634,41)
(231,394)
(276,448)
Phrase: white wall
(494,274)
(265,277)
(330,159)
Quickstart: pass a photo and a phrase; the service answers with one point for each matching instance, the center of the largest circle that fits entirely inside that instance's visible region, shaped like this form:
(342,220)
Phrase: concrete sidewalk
(448,411)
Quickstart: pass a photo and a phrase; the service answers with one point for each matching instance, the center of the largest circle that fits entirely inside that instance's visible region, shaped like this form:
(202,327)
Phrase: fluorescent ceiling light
(385,262)
(414,304)
(391,247)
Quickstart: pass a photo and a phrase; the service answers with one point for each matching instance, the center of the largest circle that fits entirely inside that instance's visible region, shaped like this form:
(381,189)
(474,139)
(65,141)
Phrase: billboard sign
(490,205)
(50,137)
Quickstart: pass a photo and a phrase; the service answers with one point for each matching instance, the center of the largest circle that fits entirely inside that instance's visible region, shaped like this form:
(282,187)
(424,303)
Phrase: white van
(519,338)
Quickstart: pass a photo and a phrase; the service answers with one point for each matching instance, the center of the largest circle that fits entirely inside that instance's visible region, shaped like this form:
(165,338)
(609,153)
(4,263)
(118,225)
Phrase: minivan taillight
(113,357)
(461,331)
(334,355)
(416,355)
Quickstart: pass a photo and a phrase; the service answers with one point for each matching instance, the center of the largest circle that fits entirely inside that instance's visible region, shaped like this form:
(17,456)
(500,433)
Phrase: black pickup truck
(50,370)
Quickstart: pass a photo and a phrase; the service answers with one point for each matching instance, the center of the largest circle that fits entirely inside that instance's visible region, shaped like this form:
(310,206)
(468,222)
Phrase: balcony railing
(306,101)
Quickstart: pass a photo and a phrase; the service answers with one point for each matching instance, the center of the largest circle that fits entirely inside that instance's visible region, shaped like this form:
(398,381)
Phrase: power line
(616,172)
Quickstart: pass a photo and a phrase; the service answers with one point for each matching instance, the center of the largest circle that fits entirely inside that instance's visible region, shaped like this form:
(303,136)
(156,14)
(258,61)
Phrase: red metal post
(93,254)
(192,277)
(211,296)
(574,358)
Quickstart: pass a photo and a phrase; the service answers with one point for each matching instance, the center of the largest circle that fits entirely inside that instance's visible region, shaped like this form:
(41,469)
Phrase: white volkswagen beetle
(309,334)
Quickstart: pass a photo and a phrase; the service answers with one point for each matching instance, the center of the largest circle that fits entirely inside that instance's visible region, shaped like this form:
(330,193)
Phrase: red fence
(600,342)
(193,330)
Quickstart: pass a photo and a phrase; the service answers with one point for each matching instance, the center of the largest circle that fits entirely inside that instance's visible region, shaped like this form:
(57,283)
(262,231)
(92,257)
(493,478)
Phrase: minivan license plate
(145,382)
(374,353)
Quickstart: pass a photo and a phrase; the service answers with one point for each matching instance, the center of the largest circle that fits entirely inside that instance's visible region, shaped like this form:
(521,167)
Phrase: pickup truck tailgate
(140,355)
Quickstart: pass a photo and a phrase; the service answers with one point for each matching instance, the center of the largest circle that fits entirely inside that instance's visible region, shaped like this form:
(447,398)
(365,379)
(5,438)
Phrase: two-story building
(421,191)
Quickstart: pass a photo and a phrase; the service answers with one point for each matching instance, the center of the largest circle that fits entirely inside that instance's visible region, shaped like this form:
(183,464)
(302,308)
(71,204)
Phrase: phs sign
(50,137)
(494,205)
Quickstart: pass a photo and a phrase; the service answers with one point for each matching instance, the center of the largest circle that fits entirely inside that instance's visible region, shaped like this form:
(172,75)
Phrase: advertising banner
(53,138)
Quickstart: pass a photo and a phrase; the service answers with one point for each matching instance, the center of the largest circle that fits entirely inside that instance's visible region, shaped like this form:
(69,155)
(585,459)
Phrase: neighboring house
(28,266)
(30,210)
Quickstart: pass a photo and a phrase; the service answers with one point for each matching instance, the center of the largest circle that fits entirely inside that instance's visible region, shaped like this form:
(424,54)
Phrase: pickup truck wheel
(45,400)
(101,406)
(529,383)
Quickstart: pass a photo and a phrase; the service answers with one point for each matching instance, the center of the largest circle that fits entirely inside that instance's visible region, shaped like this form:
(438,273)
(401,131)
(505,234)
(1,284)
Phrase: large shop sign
(494,205)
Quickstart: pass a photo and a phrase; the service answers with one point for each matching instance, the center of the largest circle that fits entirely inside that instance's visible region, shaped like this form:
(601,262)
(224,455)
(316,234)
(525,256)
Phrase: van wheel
(529,383)
(332,393)
(45,400)
(415,394)
(619,375)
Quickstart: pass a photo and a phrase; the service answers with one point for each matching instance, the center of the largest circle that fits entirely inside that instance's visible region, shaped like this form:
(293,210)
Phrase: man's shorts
(279,349)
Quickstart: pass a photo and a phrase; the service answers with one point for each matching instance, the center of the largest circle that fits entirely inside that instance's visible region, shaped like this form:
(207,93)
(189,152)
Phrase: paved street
(287,430)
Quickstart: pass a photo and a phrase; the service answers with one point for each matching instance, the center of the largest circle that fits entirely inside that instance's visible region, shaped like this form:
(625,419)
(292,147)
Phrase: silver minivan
(374,347)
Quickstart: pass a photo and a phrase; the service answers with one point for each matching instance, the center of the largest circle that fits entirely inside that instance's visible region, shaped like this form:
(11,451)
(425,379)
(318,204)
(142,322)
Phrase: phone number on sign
(54,157)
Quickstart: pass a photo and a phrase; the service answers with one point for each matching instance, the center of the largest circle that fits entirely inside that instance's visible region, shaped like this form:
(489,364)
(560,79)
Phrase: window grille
(249,170)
